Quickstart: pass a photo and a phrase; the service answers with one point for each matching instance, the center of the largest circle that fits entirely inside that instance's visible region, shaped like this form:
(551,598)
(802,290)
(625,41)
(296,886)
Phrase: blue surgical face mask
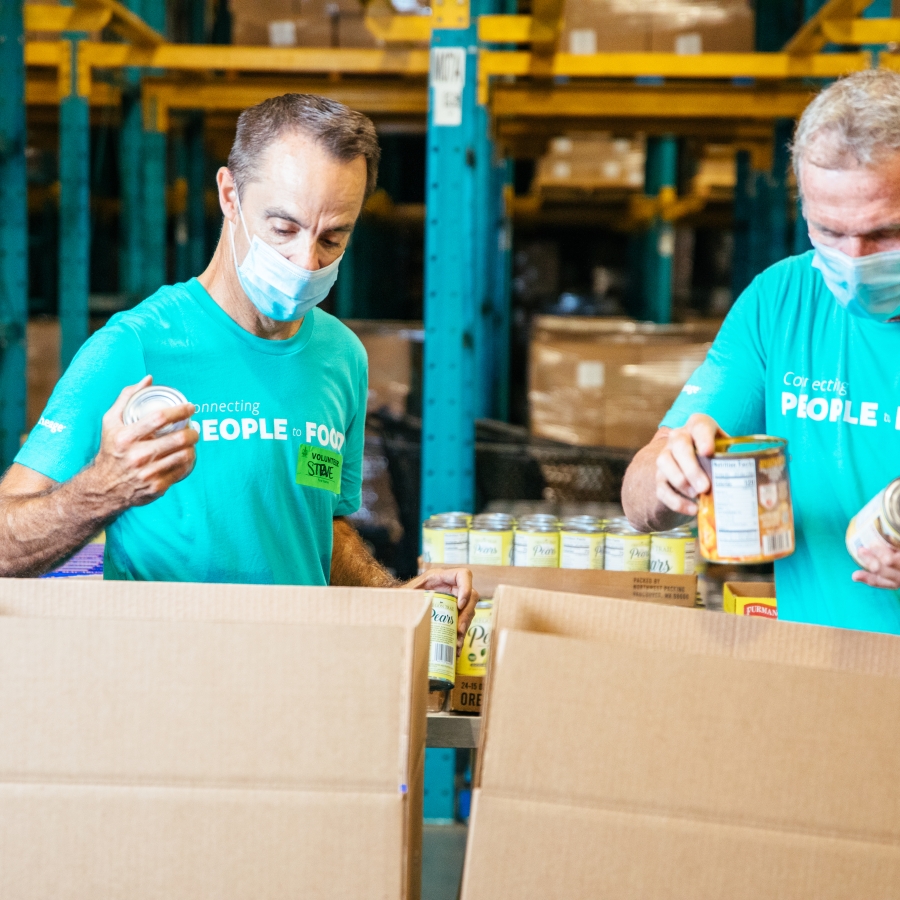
(278,288)
(867,286)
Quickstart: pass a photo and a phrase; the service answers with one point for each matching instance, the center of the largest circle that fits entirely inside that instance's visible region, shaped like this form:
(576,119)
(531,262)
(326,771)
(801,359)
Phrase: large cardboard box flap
(175,740)
(675,753)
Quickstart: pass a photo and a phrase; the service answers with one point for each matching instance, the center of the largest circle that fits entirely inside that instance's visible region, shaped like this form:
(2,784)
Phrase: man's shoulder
(163,309)
(339,337)
(793,276)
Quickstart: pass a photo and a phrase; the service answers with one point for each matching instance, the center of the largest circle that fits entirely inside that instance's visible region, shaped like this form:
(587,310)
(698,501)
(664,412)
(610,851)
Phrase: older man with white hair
(809,353)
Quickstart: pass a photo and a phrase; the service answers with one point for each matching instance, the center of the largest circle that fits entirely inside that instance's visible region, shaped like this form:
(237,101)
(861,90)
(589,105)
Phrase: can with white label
(627,549)
(153,399)
(877,523)
(582,543)
(445,538)
(747,515)
(673,552)
(491,540)
(537,542)
(442,658)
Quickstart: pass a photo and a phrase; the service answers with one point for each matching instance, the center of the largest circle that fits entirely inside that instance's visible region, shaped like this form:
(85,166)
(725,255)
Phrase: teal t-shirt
(789,361)
(277,420)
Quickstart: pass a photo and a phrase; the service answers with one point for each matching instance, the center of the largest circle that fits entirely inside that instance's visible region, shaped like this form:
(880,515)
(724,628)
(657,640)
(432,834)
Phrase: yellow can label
(474,656)
(442,658)
(445,545)
(581,551)
(491,548)
(672,555)
(628,552)
(537,549)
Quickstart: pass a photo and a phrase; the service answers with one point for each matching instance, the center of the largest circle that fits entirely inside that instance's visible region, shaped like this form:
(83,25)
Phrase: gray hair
(853,122)
(343,132)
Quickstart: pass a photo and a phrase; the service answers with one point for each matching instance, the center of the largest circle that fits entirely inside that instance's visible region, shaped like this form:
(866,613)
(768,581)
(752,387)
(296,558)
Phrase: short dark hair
(343,132)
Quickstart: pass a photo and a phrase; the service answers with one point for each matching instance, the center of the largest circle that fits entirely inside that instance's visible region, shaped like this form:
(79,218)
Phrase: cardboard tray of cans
(672,590)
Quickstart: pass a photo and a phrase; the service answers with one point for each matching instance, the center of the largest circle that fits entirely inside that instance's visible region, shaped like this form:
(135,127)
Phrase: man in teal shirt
(810,353)
(275,386)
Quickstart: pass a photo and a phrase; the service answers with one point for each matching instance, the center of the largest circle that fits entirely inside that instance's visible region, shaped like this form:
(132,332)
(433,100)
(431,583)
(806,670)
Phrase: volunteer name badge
(318,468)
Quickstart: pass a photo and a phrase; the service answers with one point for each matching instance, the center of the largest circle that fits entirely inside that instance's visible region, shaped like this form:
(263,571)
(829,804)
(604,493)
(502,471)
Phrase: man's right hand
(133,466)
(679,477)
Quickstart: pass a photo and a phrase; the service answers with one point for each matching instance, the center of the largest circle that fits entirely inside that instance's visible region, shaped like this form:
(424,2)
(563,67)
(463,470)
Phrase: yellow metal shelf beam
(863,31)
(124,22)
(811,38)
(45,92)
(47,17)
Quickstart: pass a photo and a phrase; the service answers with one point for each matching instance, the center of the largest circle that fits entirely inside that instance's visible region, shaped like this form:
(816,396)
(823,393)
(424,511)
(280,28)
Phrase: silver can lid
(621,525)
(493,522)
(583,524)
(152,399)
(890,505)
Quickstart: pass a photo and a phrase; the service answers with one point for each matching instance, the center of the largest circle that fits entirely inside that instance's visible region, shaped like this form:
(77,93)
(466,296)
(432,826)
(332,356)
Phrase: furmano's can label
(473,659)
(491,548)
(442,657)
(445,545)
(628,552)
(538,549)
(672,555)
(582,551)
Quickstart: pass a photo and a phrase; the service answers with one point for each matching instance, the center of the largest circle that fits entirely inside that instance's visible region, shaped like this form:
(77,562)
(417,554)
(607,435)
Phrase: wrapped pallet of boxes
(299,23)
(680,754)
(608,382)
(593,161)
(605,26)
(182,741)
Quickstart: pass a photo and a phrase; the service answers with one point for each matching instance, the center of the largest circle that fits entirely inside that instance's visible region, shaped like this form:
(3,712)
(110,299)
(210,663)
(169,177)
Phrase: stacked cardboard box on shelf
(300,23)
(716,174)
(644,752)
(592,161)
(672,26)
(228,741)
(608,382)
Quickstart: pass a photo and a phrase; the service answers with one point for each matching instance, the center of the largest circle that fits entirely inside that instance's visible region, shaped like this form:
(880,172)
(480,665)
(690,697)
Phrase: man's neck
(221,283)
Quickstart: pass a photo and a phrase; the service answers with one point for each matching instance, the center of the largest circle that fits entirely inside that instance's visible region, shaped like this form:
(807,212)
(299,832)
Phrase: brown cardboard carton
(228,741)
(601,26)
(675,590)
(683,754)
(697,27)
(394,352)
(608,382)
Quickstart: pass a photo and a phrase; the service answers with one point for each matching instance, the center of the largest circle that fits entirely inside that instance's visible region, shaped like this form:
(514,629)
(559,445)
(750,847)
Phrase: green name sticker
(319,468)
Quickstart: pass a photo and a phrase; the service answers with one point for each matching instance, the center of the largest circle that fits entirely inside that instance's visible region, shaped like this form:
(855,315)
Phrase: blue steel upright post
(451,261)
(13,232)
(659,241)
(74,205)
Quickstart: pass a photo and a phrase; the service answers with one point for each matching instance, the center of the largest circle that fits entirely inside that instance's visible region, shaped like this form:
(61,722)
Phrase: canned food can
(877,524)
(442,658)
(472,661)
(627,549)
(491,540)
(537,542)
(152,399)
(673,552)
(445,538)
(582,543)
(747,516)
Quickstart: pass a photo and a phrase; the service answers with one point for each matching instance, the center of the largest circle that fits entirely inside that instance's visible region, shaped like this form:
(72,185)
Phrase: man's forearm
(639,500)
(38,530)
(351,563)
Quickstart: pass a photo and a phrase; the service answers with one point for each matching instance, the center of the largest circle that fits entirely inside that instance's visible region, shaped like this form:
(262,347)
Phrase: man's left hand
(882,567)
(451,581)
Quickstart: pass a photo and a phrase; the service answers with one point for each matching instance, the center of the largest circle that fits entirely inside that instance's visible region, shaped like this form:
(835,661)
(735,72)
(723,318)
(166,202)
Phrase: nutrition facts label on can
(736,507)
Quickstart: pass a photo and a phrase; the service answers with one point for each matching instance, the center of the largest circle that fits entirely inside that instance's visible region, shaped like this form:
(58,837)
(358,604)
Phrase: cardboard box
(603,26)
(608,382)
(715,26)
(228,741)
(645,778)
(675,590)
(750,598)
(592,162)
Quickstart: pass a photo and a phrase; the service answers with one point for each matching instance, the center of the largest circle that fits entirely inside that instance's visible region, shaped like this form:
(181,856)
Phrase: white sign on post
(448,78)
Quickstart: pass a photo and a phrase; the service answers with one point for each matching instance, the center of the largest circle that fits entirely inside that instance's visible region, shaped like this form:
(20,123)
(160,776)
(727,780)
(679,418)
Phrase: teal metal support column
(197,255)
(155,213)
(439,805)
(74,215)
(449,390)
(502,286)
(659,241)
(13,233)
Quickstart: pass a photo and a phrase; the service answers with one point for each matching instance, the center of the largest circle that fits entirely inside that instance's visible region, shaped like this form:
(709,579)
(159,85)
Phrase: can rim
(724,445)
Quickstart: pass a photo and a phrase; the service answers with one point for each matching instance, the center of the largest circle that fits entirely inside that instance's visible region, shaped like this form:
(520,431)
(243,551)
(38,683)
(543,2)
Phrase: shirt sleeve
(67,436)
(352,471)
(729,385)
